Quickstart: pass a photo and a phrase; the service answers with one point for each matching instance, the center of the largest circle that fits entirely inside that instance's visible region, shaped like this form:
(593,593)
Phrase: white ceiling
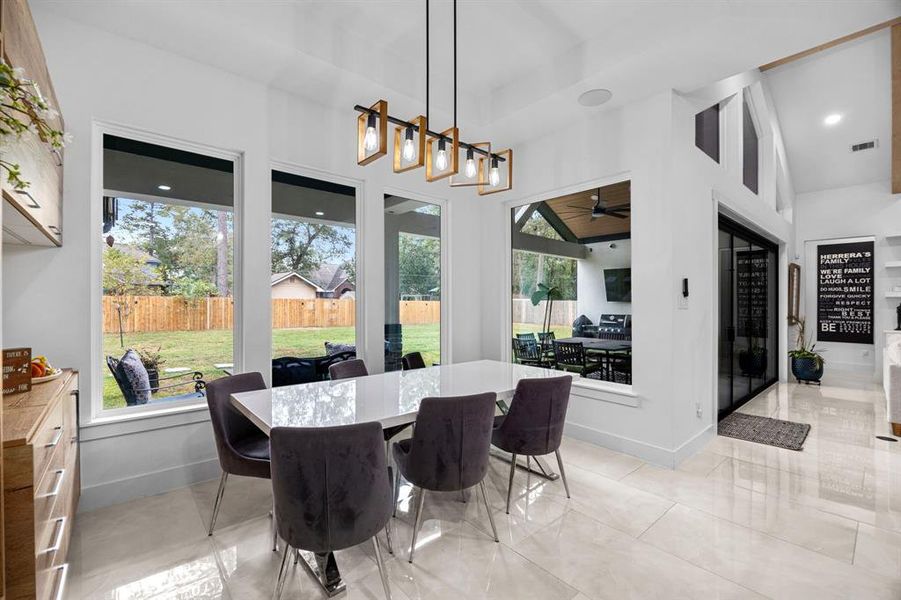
(853,80)
(522,63)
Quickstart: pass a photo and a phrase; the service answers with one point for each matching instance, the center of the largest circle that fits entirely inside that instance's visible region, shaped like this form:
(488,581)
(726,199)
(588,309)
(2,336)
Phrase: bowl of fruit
(42,370)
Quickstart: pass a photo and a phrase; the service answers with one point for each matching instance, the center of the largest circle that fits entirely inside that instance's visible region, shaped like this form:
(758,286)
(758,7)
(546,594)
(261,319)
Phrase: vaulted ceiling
(574,210)
(522,63)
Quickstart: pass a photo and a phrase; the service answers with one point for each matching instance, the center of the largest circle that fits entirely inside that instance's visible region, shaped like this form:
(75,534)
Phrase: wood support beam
(896,109)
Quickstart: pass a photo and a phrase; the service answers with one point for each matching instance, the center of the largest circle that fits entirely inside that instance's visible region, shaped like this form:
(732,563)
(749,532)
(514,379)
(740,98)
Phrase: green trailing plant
(549,294)
(23,110)
(803,348)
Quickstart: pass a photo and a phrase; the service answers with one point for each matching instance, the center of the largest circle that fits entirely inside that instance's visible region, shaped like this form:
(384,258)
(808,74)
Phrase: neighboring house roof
(327,278)
(151,264)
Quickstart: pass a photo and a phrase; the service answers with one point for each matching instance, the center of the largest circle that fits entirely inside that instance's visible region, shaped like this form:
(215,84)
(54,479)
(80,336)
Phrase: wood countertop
(23,413)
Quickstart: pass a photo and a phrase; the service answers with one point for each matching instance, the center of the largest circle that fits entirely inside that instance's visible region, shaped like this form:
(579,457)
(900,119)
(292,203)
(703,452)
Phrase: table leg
(324,569)
(539,466)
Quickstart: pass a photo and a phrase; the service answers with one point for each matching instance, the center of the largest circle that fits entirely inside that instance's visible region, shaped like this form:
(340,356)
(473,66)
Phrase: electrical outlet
(698,410)
(866,353)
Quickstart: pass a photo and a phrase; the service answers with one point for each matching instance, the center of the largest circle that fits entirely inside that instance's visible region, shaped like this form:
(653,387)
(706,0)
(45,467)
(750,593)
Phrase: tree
(301,247)
(419,261)
(124,275)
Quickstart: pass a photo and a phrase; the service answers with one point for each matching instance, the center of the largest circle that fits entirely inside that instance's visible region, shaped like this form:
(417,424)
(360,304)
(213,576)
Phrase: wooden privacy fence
(564,312)
(176,313)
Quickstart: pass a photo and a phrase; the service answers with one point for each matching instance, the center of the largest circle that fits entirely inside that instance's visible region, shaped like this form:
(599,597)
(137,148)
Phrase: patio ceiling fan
(620,211)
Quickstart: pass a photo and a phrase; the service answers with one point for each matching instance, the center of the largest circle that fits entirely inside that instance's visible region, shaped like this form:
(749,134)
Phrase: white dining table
(391,399)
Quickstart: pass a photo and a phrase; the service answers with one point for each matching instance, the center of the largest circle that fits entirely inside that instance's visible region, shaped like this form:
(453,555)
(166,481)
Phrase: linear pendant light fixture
(416,145)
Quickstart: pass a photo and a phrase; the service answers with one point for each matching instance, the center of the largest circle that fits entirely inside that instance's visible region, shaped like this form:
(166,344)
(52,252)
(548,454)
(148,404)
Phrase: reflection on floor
(738,520)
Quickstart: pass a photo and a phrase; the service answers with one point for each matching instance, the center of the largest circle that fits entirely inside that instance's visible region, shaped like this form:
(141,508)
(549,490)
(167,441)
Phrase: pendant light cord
(455,64)
(428,123)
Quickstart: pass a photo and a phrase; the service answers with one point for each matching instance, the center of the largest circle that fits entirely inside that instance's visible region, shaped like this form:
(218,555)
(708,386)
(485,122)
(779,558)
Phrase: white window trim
(97,415)
(360,292)
(445,328)
(600,390)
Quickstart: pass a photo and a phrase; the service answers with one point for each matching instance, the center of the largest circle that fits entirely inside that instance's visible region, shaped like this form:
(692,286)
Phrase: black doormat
(763,430)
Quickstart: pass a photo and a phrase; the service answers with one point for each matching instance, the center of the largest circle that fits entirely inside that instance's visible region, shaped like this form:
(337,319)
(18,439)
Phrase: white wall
(591,292)
(677,192)
(99,76)
(824,215)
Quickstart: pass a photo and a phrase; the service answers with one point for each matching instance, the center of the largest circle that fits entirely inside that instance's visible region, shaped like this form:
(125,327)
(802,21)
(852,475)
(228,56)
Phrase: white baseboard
(147,484)
(694,445)
(647,452)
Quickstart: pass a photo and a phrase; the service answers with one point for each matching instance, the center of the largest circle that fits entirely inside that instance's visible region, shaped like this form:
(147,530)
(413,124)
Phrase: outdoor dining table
(391,399)
(602,346)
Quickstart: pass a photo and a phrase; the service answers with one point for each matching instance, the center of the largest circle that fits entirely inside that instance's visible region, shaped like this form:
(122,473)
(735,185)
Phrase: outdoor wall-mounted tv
(618,283)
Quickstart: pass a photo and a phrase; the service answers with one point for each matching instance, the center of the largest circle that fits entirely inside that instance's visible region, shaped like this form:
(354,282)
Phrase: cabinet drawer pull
(58,539)
(56,438)
(58,156)
(61,586)
(32,203)
(60,477)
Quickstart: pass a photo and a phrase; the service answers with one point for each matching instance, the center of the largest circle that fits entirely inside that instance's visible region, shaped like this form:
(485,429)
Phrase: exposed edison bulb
(409,150)
(371,139)
(494,176)
(441,158)
(470,164)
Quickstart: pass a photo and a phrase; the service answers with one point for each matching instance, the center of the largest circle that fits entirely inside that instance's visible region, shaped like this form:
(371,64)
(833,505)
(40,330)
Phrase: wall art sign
(845,292)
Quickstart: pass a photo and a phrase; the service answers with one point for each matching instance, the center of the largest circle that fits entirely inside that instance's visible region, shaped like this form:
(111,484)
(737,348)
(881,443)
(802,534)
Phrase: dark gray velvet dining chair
(413,360)
(242,447)
(534,424)
(448,451)
(347,369)
(330,490)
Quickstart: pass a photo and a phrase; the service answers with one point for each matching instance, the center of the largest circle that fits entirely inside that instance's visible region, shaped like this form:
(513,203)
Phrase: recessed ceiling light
(319,213)
(832,119)
(595,97)
(164,187)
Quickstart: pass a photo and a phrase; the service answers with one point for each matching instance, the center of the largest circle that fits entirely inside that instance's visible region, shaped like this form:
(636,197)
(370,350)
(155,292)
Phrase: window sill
(605,391)
(125,421)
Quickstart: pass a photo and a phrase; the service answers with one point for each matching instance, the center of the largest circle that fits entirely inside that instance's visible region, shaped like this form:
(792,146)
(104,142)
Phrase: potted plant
(548,293)
(753,360)
(152,361)
(807,363)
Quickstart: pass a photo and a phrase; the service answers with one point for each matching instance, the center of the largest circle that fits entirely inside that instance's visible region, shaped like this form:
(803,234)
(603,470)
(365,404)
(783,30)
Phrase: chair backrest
(347,369)
(413,360)
(330,485)
(290,370)
(569,353)
(451,439)
(534,423)
(229,425)
(546,339)
(525,336)
(526,350)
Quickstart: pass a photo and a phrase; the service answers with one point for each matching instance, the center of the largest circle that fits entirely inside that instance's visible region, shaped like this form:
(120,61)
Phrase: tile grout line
(666,512)
(856,538)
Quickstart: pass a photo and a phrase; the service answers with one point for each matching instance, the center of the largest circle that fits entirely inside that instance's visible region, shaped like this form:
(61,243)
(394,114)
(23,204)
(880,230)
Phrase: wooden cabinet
(32,216)
(41,486)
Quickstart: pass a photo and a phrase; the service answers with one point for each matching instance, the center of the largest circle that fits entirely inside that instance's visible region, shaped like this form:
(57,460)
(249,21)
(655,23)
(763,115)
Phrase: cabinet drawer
(52,487)
(52,541)
(46,440)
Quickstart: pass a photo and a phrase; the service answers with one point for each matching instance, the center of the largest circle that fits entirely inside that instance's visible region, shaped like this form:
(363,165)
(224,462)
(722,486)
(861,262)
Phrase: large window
(313,267)
(572,282)
(167,272)
(412,281)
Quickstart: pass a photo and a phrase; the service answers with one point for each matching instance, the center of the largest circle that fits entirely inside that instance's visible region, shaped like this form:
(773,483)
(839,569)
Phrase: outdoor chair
(134,381)
(526,336)
(571,356)
(413,360)
(527,352)
(546,340)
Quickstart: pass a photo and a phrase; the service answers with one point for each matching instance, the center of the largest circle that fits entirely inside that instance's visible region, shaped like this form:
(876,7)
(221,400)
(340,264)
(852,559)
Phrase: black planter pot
(154,376)
(753,364)
(807,369)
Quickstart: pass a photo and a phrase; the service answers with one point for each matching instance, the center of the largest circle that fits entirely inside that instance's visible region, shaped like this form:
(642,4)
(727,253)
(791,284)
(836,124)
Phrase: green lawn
(200,350)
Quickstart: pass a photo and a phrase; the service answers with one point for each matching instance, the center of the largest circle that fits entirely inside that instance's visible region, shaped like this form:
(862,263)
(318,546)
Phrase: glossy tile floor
(738,520)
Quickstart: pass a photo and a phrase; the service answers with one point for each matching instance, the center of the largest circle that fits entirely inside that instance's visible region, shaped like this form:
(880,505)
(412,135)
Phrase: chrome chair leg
(274,529)
(382,571)
(562,472)
(417,523)
(488,508)
(528,466)
(463,496)
(282,574)
(396,490)
(388,537)
(218,502)
(510,482)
